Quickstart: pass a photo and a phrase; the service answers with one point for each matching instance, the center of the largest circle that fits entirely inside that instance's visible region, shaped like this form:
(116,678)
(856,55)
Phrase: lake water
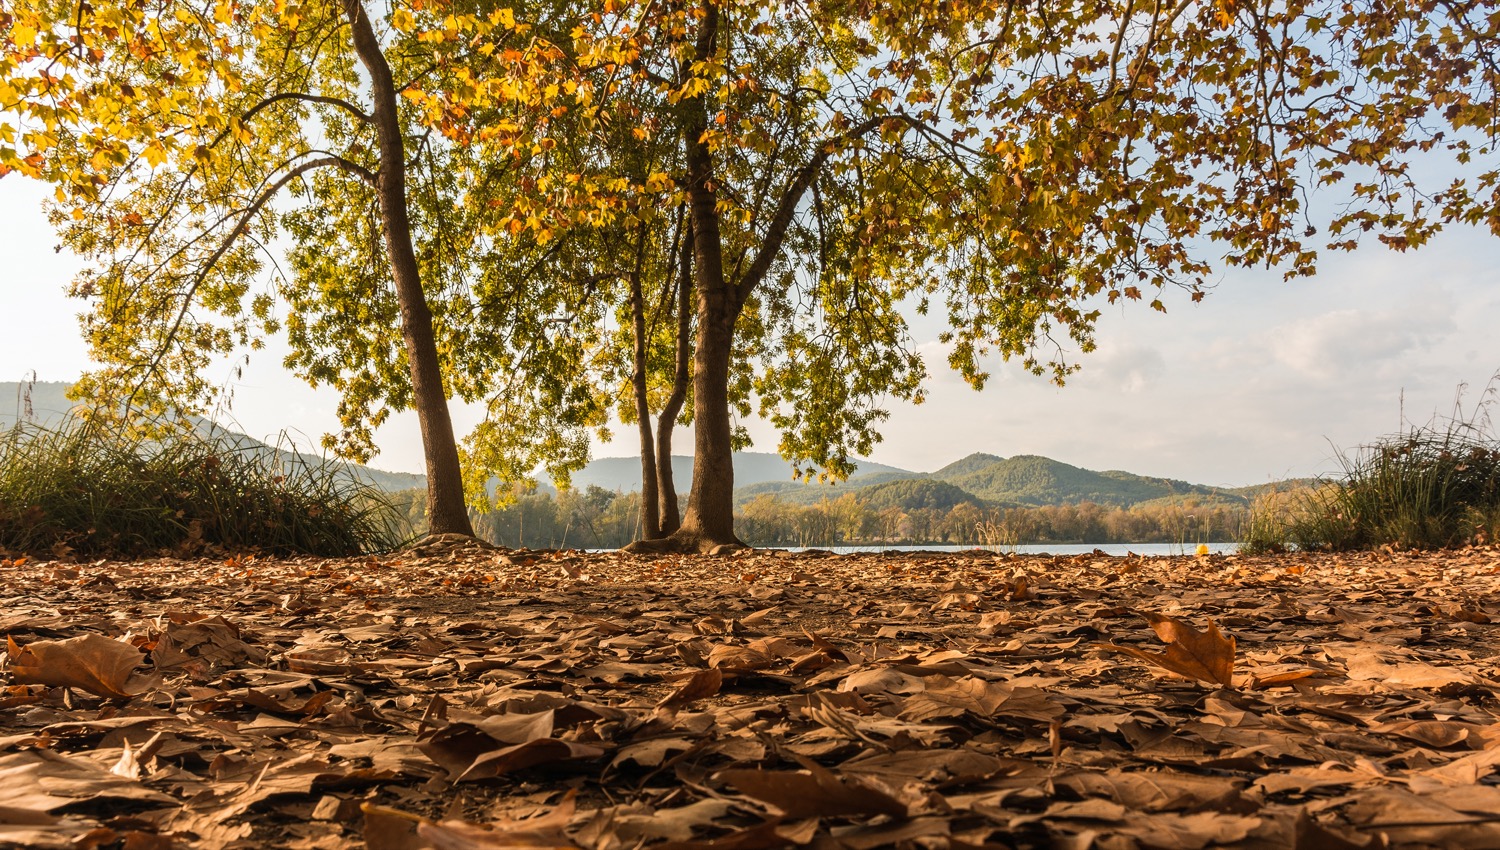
(1051,548)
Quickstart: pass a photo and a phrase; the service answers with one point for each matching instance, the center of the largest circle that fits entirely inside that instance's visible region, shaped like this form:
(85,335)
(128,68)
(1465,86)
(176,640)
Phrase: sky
(1264,379)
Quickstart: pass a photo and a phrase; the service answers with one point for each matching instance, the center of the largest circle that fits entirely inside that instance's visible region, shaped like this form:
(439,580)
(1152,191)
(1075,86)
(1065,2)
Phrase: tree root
(684,543)
(442,544)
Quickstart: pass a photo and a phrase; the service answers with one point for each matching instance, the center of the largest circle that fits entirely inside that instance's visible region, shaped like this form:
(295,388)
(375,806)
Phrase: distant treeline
(596,518)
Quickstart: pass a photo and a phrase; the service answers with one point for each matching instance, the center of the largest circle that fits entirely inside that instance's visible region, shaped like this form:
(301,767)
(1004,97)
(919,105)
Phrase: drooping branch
(240,227)
(345,105)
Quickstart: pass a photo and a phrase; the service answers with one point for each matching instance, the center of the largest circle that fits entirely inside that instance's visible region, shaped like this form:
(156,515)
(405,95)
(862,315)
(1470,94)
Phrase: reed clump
(1430,487)
(93,490)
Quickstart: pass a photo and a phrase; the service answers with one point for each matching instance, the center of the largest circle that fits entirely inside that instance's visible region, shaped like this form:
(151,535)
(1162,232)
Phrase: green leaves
(1015,164)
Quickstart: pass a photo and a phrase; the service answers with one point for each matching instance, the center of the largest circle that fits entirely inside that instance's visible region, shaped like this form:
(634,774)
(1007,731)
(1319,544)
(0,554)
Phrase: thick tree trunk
(709,521)
(446,510)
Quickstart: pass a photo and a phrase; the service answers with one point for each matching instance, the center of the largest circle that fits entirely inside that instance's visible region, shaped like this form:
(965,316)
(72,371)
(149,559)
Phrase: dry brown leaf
(1282,678)
(701,685)
(947,697)
(1206,656)
(731,657)
(391,829)
(469,753)
(461,835)
(90,662)
(815,793)
(763,836)
(45,780)
(203,644)
(1408,674)
(1159,791)
(544,831)
(1308,834)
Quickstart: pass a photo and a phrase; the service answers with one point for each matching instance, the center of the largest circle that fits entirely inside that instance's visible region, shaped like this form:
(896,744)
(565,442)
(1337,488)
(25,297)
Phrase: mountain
(966,466)
(1020,480)
(46,404)
(1034,480)
(915,493)
(751,470)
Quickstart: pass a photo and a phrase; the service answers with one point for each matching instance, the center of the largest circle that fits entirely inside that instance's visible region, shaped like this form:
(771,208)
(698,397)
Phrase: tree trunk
(709,522)
(446,511)
(671,518)
(650,510)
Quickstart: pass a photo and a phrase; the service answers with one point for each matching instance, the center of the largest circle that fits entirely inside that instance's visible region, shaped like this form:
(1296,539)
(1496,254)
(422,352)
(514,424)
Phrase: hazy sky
(1259,381)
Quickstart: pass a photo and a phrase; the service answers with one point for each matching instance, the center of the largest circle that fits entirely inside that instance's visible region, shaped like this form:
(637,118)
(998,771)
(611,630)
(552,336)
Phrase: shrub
(1429,488)
(92,490)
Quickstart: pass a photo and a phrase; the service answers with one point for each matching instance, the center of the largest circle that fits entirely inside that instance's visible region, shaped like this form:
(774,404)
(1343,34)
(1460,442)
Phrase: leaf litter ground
(468,698)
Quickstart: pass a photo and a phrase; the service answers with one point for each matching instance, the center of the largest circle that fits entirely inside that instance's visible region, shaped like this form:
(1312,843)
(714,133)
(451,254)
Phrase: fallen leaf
(815,793)
(90,662)
(1206,656)
(701,685)
(1409,674)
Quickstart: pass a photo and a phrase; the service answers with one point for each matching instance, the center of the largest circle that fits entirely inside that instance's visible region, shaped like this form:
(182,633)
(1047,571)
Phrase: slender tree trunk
(446,510)
(671,517)
(650,515)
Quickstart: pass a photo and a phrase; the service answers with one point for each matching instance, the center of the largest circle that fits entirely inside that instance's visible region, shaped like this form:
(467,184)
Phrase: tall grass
(1430,487)
(1274,513)
(91,490)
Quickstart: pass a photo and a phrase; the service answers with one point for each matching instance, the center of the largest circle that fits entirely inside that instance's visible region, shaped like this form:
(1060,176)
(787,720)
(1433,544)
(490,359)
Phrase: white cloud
(1131,368)
(1355,341)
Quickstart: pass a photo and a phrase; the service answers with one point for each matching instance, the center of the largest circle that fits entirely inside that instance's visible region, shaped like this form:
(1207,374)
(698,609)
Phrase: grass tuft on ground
(90,490)
(1431,487)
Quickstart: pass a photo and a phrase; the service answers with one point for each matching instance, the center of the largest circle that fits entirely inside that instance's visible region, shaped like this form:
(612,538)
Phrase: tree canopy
(820,168)
(1014,166)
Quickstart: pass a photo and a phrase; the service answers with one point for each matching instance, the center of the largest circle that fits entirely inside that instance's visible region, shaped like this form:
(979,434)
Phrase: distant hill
(915,493)
(751,469)
(976,462)
(1034,480)
(979,477)
(48,402)
(49,407)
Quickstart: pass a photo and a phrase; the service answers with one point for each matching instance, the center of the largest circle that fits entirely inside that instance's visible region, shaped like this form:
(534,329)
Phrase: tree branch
(787,208)
(310,98)
(239,228)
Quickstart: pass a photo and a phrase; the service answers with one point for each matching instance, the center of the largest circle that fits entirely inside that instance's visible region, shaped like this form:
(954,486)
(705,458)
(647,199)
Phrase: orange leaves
(1204,656)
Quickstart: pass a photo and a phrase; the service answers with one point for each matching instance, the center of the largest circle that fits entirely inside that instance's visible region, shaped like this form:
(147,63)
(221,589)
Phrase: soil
(461,697)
